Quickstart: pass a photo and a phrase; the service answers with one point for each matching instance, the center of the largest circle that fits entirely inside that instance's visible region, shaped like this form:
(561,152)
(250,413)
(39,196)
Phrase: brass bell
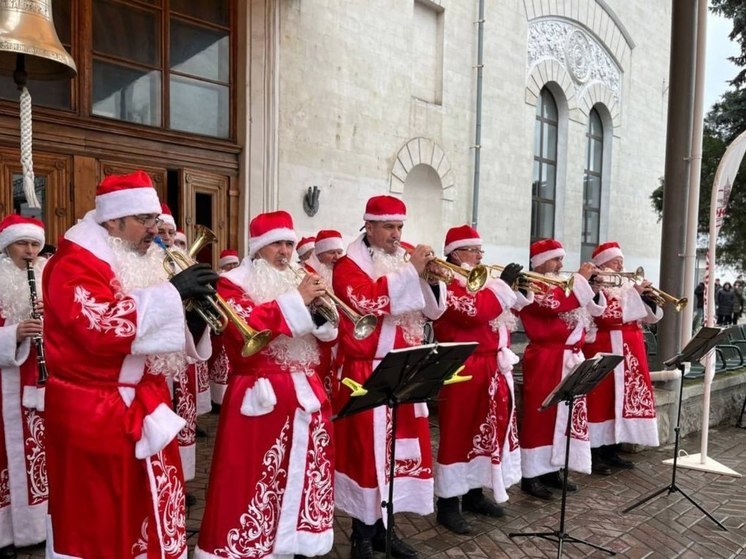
(26,28)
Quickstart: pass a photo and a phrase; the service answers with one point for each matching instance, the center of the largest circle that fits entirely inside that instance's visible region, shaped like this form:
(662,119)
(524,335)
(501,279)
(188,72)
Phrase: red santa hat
(166,216)
(180,236)
(268,228)
(385,208)
(122,195)
(228,256)
(460,237)
(305,244)
(605,252)
(544,250)
(18,228)
(328,239)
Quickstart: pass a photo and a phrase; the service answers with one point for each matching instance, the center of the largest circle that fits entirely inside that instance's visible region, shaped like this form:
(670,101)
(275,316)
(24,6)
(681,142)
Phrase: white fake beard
(135,271)
(294,354)
(326,272)
(411,323)
(15,295)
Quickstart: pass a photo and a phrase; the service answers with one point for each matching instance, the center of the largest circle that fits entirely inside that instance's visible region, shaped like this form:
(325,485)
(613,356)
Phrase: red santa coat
(479,449)
(327,350)
(621,409)
(219,370)
(116,485)
(272,493)
(556,326)
(402,302)
(23,472)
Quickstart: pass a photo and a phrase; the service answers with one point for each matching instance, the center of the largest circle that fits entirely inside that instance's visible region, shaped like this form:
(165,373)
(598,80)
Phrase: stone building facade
(361,98)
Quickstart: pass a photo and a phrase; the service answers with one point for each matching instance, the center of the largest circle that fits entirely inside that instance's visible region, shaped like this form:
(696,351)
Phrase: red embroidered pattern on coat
(365,305)
(485,442)
(317,502)
(171,510)
(464,304)
(220,368)
(580,420)
(256,535)
(403,468)
(4,488)
(102,317)
(638,398)
(36,457)
(513,441)
(141,545)
(547,300)
(186,408)
(613,309)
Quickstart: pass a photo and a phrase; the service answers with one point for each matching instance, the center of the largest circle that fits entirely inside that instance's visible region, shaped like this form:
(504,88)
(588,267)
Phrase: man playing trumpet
(556,325)
(23,495)
(271,485)
(376,277)
(621,409)
(480,448)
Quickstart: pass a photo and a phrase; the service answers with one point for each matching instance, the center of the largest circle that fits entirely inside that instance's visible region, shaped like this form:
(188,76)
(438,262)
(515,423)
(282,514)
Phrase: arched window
(592,185)
(543,186)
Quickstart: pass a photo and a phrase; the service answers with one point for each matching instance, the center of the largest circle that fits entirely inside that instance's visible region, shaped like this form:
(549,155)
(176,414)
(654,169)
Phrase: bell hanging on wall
(30,49)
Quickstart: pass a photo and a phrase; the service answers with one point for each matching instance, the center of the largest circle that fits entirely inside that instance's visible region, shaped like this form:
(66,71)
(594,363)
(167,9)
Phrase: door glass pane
(203,207)
(546,220)
(535,181)
(19,198)
(201,52)
(596,155)
(55,93)
(214,11)
(593,191)
(61,17)
(548,173)
(549,107)
(199,107)
(126,93)
(590,227)
(126,32)
(549,149)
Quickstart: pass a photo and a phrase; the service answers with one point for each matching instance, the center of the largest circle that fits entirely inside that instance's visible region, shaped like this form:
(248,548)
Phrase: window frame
(541,159)
(599,139)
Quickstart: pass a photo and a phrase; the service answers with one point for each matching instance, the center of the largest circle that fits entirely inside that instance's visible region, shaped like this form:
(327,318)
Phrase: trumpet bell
(365,326)
(254,343)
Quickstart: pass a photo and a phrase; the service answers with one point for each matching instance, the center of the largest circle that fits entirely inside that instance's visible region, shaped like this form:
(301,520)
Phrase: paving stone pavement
(666,527)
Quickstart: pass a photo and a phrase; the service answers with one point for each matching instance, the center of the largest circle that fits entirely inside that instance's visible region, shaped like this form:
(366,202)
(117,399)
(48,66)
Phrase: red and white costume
(556,326)
(23,472)
(621,409)
(271,482)
(478,449)
(116,485)
(403,302)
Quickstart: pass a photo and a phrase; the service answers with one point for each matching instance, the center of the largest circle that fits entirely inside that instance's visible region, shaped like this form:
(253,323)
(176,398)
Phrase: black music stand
(702,343)
(406,375)
(583,378)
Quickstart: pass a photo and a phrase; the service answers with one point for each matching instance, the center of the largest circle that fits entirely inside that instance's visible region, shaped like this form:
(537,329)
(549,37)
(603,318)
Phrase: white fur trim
(301,250)
(434,308)
(132,201)
(295,312)
(385,217)
(605,255)
(523,300)
(168,219)
(633,307)
(420,410)
(327,332)
(202,351)
(260,399)
(404,290)
(230,259)
(331,243)
(539,259)
(12,354)
(21,231)
(188,455)
(582,290)
(455,480)
(160,320)
(505,295)
(407,449)
(595,309)
(159,428)
(450,247)
(271,236)
(305,394)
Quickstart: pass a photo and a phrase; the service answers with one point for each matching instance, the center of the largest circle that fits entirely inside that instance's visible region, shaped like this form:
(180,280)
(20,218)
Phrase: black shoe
(616,461)
(599,466)
(475,501)
(200,432)
(362,548)
(399,548)
(8,552)
(450,516)
(555,481)
(535,488)
(190,500)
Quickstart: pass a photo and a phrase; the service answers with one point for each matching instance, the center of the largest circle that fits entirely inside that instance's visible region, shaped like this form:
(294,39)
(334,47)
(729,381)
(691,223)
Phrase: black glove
(511,273)
(195,323)
(196,281)
(648,299)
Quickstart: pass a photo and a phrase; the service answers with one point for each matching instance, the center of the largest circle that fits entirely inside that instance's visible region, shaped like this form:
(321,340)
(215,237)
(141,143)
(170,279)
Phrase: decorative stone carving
(585,59)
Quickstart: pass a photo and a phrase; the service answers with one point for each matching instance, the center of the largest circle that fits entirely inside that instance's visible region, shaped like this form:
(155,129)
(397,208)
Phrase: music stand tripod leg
(560,536)
(389,504)
(672,487)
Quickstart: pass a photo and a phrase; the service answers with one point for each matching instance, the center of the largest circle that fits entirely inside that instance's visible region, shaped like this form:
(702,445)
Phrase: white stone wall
(348,121)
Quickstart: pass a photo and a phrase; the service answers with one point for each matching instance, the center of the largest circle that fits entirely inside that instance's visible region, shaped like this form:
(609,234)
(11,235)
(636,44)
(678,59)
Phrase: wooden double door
(66,187)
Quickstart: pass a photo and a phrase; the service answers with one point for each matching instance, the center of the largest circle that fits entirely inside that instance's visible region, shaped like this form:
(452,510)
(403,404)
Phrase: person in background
(699,312)
(726,303)
(228,260)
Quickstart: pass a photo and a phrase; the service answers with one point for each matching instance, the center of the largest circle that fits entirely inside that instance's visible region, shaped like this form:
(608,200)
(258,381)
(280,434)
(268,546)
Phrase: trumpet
(475,278)
(41,360)
(617,279)
(660,298)
(213,309)
(326,306)
(533,281)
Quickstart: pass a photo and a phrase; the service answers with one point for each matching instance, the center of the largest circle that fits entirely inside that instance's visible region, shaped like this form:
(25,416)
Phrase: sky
(718,70)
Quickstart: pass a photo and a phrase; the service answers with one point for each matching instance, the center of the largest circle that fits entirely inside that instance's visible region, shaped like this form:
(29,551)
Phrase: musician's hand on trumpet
(421,258)
(28,329)
(198,280)
(512,276)
(311,287)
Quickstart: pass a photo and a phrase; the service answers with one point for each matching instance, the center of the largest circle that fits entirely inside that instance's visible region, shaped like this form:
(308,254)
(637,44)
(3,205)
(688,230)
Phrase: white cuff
(260,399)
(295,312)
(159,428)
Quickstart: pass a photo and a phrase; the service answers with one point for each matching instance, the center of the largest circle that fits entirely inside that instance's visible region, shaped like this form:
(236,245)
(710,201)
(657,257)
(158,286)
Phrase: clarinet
(38,340)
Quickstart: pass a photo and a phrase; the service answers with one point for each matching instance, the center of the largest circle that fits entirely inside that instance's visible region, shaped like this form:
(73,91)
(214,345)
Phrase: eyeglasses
(472,250)
(147,220)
